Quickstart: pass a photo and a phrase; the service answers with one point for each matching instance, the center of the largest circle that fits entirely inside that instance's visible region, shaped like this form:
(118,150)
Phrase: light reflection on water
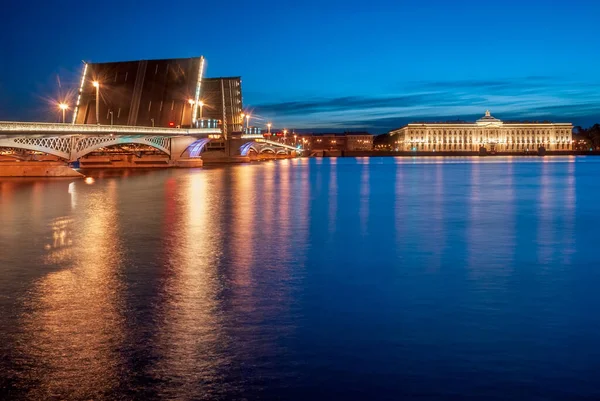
(73,326)
(326,278)
(190,331)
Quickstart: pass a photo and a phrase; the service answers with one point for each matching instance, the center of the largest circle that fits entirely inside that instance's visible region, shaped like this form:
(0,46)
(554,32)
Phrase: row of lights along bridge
(64,107)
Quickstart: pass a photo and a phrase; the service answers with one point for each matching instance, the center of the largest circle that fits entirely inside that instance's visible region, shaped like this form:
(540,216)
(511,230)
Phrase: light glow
(198,86)
(80,90)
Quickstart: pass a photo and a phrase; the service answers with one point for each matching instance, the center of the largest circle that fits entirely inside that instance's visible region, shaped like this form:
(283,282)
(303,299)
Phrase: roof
(486,120)
(334,134)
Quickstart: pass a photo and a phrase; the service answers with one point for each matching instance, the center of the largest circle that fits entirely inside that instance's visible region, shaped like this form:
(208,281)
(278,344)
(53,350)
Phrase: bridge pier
(179,146)
(18,168)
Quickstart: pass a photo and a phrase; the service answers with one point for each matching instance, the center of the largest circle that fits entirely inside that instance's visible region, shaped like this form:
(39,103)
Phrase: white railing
(89,129)
(252,136)
(281,145)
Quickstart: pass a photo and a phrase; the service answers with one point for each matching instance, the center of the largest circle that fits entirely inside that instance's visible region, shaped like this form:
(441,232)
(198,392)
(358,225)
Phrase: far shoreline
(383,153)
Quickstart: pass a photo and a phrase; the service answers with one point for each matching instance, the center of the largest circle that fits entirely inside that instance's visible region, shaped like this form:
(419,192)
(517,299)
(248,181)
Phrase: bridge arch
(268,149)
(87,145)
(195,148)
(55,146)
(245,148)
(261,146)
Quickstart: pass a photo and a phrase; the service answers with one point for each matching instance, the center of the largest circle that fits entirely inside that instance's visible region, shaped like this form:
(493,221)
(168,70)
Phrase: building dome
(488,119)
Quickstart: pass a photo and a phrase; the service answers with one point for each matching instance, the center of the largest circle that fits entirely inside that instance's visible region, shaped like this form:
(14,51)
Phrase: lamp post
(269,128)
(112,119)
(201,104)
(63,107)
(248,122)
(284,135)
(97,86)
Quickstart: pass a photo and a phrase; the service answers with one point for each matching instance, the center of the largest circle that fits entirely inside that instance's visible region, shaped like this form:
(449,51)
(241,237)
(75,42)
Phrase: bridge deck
(52,129)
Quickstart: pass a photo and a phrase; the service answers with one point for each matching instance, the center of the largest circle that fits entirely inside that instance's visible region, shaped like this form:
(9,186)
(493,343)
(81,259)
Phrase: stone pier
(36,169)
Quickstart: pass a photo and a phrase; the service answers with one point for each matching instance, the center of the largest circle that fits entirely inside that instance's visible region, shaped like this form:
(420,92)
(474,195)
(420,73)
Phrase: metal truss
(57,146)
(85,145)
(73,147)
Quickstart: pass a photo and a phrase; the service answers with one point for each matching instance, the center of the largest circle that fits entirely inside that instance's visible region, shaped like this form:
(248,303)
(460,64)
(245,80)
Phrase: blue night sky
(335,65)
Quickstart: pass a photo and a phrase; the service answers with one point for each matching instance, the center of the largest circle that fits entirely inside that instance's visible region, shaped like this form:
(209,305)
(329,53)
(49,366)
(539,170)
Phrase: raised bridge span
(71,141)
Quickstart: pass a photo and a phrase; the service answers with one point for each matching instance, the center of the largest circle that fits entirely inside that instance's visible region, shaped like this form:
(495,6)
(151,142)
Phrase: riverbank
(36,169)
(379,153)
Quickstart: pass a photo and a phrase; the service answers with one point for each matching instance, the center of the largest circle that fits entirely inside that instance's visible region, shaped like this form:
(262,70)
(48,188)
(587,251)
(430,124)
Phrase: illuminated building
(488,132)
(160,93)
(359,141)
(336,143)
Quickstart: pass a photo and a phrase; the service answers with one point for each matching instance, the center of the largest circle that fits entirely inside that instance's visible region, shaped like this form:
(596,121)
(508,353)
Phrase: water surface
(378,278)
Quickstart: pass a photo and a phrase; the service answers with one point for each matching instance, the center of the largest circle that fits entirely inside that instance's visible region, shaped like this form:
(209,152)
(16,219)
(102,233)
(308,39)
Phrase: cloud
(340,103)
(355,103)
(531,97)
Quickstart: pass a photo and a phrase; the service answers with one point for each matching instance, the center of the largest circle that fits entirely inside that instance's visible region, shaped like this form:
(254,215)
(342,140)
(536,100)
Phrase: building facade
(334,142)
(487,132)
(359,141)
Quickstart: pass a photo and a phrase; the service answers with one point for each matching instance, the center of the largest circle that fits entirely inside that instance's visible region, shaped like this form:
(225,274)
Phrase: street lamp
(248,122)
(243,115)
(96,85)
(269,128)
(191,102)
(63,107)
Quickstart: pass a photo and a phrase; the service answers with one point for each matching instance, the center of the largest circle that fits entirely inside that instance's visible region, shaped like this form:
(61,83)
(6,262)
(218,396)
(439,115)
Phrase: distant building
(359,141)
(487,132)
(336,142)
(161,93)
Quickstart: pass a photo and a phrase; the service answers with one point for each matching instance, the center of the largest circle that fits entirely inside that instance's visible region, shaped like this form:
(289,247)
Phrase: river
(336,278)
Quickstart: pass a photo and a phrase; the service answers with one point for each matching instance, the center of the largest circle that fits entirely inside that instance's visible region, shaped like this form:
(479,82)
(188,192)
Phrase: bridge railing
(279,144)
(11,127)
